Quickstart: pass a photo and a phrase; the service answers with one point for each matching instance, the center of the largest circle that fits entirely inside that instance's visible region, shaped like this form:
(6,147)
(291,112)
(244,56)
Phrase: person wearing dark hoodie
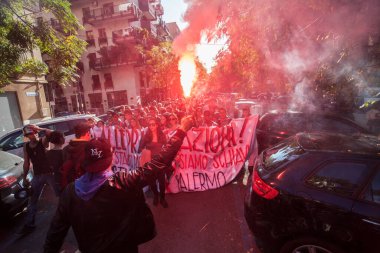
(73,154)
(107,211)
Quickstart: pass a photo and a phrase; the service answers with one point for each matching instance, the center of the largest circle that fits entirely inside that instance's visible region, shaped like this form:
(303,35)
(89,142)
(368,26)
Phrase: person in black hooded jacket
(73,154)
(104,209)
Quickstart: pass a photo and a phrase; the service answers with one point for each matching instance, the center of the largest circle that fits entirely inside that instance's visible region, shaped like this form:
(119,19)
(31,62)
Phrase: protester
(246,112)
(108,212)
(164,122)
(207,120)
(35,153)
(98,130)
(223,118)
(153,140)
(173,125)
(127,118)
(55,156)
(73,154)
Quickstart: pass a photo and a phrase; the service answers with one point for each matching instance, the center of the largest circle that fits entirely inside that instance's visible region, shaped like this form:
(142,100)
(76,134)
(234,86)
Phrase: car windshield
(287,150)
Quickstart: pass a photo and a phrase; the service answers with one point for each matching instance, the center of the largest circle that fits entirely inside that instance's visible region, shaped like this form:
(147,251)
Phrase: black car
(276,126)
(13,195)
(317,192)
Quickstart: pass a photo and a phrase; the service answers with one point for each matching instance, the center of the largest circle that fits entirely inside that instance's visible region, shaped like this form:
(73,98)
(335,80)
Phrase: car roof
(340,143)
(53,120)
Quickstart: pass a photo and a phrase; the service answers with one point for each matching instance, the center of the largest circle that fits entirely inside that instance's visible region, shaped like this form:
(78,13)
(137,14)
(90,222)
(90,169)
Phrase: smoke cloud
(294,37)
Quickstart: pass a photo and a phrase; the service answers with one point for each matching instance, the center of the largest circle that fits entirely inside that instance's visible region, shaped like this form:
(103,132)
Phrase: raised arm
(146,174)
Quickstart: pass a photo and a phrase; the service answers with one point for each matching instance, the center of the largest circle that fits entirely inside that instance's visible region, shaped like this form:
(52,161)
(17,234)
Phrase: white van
(13,141)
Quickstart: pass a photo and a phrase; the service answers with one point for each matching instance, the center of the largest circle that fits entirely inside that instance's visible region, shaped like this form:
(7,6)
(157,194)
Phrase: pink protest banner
(211,157)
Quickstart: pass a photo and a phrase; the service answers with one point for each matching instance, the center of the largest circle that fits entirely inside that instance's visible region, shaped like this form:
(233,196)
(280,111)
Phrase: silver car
(13,141)
(13,195)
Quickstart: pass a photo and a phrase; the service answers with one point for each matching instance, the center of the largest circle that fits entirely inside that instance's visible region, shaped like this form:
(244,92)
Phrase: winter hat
(98,155)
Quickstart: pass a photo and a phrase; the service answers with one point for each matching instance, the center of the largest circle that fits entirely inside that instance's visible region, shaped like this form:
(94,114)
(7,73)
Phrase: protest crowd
(93,190)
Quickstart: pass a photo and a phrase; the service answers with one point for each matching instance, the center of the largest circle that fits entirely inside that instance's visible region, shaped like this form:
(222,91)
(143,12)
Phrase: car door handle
(371,222)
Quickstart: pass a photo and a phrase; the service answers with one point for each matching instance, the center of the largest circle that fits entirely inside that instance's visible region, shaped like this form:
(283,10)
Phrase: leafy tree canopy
(21,32)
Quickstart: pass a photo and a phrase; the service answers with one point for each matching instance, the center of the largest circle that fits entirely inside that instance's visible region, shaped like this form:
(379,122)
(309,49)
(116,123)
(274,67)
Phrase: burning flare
(188,73)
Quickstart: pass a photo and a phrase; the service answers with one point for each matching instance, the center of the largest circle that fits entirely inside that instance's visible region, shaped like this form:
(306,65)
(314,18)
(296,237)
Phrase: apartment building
(22,101)
(112,71)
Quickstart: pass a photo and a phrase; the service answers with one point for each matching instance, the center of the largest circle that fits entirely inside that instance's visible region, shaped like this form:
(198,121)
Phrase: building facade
(111,69)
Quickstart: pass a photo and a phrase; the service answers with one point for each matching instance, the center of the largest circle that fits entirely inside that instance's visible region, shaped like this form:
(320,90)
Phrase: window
(91,60)
(280,154)
(95,100)
(102,36)
(108,83)
(13,141)
(117,98)
(86,14)
(108,9)
(342,178)
(373,191)
(90,38)
(96,82)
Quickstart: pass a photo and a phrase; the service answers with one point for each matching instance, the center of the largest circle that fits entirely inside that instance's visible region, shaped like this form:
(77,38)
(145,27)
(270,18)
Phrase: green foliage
(20,34)
(33,67)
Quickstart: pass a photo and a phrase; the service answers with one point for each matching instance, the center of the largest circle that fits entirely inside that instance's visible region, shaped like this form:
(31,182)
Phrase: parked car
(276,126)
(65,113)
(13,141)
(13,196)
(316,192)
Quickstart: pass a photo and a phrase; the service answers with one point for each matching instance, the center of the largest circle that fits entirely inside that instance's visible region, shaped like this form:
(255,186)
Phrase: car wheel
(309,245)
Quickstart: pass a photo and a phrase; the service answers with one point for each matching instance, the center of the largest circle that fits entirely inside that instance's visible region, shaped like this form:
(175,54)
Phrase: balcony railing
(128,11)
(148,9)
(102,63)
(125,35)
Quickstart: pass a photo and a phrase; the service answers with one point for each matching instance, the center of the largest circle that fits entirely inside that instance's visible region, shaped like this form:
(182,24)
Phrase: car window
(58,126)
(342,178)
(373,191)
(333,125)
(12,141)
(287,150)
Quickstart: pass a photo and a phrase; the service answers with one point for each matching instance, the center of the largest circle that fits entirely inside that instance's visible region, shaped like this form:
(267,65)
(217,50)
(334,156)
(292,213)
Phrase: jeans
(38,183)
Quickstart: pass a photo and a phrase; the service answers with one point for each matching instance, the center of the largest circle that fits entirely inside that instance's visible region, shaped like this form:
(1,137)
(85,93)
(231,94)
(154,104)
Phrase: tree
(275,45)
(162,68)
(21,32)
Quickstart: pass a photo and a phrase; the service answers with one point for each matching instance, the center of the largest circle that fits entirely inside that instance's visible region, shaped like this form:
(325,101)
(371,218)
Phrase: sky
(173,12)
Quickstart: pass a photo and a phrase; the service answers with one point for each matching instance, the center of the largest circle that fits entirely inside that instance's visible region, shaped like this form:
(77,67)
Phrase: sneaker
(27,230)
(155,200)
(164,204)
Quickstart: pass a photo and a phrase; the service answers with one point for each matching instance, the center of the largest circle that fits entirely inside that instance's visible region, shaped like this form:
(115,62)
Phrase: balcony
(103,63)
(148,9)
(129,35)
(127,11)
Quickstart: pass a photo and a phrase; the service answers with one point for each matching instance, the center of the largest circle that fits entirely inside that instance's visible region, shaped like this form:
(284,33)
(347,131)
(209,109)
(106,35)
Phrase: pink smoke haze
(293,37)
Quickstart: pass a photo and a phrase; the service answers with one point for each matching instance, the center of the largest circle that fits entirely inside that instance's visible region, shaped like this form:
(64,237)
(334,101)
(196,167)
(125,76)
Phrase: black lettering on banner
(200,181)
(200,130)
(214,131)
